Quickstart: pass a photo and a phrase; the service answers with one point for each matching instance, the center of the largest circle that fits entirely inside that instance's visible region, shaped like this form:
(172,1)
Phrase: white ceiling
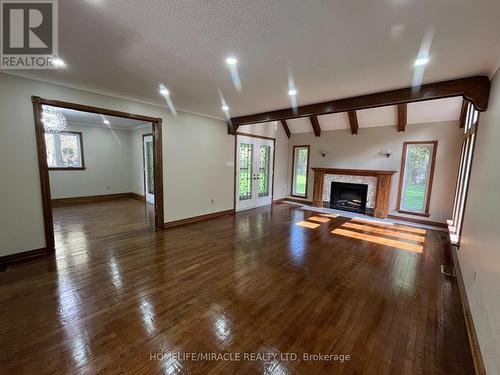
(333,48)
(94,119)
(418,113)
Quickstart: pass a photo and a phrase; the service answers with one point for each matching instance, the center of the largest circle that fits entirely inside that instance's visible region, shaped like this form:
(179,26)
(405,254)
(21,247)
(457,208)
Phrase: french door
(254,172)
(149,179)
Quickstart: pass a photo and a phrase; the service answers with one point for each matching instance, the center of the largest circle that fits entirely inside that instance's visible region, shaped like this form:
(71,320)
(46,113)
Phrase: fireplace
(348,197)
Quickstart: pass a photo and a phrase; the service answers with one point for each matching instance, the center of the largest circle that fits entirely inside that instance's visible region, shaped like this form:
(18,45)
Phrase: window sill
(67,169)
(424,214)
(299,196)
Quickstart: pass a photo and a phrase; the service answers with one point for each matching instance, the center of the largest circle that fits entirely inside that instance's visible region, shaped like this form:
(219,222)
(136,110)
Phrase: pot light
(225,108)
(105,121)
(231,61)
(59,63)
(421,61)
(164,91)
(292,92)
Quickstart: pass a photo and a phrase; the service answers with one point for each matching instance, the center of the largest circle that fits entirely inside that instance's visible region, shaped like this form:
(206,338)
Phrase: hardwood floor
(120,292)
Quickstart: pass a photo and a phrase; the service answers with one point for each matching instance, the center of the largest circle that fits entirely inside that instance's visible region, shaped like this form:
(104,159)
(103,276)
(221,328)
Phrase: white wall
(275,130)
(107,154)
(362,151)
(195,152)
(479,253)
(137,161)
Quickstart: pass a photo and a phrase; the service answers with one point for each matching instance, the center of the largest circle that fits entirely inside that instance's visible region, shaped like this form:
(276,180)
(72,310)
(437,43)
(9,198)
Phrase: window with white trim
(417,169)
(300,167)
(64,150)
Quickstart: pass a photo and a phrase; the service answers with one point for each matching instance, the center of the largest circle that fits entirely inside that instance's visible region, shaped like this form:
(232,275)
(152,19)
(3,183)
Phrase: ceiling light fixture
(421,61)
(59,63)
(231,61)
(164,91)
(105,121)
(292,92)
(225,108)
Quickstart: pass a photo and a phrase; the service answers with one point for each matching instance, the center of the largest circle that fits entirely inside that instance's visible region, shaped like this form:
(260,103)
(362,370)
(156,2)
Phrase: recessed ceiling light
(225,108)
(59,63)
(231,61)
(421,61)
(292,92)
(164,91)
(106,122)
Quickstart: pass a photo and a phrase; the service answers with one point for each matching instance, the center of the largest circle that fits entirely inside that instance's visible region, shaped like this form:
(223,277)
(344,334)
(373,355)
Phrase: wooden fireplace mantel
(383,186)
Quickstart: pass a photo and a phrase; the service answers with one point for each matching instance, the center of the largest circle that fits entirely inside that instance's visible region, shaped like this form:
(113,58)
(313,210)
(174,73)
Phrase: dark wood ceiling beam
(315,125)
(475,89)
(231,128)
(285,128)
(463,113)
(402,117)
(353,121)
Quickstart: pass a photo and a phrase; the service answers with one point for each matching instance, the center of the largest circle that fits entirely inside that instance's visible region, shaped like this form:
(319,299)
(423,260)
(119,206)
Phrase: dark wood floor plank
(119,290)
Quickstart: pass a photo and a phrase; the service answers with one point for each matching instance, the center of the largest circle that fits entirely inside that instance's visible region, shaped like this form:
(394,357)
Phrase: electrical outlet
(212,201)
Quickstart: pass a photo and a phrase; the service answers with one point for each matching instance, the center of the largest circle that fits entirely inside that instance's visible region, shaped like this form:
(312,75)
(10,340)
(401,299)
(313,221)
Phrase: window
(470,128)
(64,150)
(300,171)
(417,170)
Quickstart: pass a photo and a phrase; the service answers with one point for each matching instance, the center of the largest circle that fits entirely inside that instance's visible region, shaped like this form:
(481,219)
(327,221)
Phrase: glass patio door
(254,172)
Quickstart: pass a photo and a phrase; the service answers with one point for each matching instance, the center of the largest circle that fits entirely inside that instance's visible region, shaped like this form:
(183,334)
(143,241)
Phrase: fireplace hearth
(348,197)
(379,204)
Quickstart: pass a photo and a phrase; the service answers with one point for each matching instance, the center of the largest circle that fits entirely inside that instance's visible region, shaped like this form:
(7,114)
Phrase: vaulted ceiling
(417,113)
(333,49)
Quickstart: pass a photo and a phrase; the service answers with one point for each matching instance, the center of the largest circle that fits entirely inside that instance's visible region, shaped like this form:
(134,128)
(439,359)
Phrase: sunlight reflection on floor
(319,219)
(379,240)
(388,232)
(306,224)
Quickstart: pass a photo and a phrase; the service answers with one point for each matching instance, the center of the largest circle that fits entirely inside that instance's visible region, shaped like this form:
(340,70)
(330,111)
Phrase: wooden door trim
(44,171)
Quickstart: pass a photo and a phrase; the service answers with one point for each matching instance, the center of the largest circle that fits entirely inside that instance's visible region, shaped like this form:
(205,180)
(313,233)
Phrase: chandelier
(53,120)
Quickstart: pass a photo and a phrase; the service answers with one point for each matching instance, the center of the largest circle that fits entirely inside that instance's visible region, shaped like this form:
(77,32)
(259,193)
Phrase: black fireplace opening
(348,197)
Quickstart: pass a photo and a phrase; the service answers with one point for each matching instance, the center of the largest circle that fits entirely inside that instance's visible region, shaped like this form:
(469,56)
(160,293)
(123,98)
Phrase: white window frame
(58,151)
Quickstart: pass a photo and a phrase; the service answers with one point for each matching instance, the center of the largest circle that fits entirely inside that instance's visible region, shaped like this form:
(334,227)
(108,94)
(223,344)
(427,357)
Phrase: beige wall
(195,152)
(107,157)
(275,130)
(479,253)
(362,151)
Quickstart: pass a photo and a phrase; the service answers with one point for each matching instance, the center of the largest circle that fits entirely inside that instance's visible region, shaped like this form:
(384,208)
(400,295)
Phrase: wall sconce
(323,153)
(386,153)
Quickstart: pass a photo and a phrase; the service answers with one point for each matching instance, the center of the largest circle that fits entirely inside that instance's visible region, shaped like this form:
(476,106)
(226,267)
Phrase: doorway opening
(100,163)
(148,167)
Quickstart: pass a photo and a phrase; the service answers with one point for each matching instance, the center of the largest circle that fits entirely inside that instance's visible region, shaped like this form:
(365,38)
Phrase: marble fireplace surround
(378,181)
